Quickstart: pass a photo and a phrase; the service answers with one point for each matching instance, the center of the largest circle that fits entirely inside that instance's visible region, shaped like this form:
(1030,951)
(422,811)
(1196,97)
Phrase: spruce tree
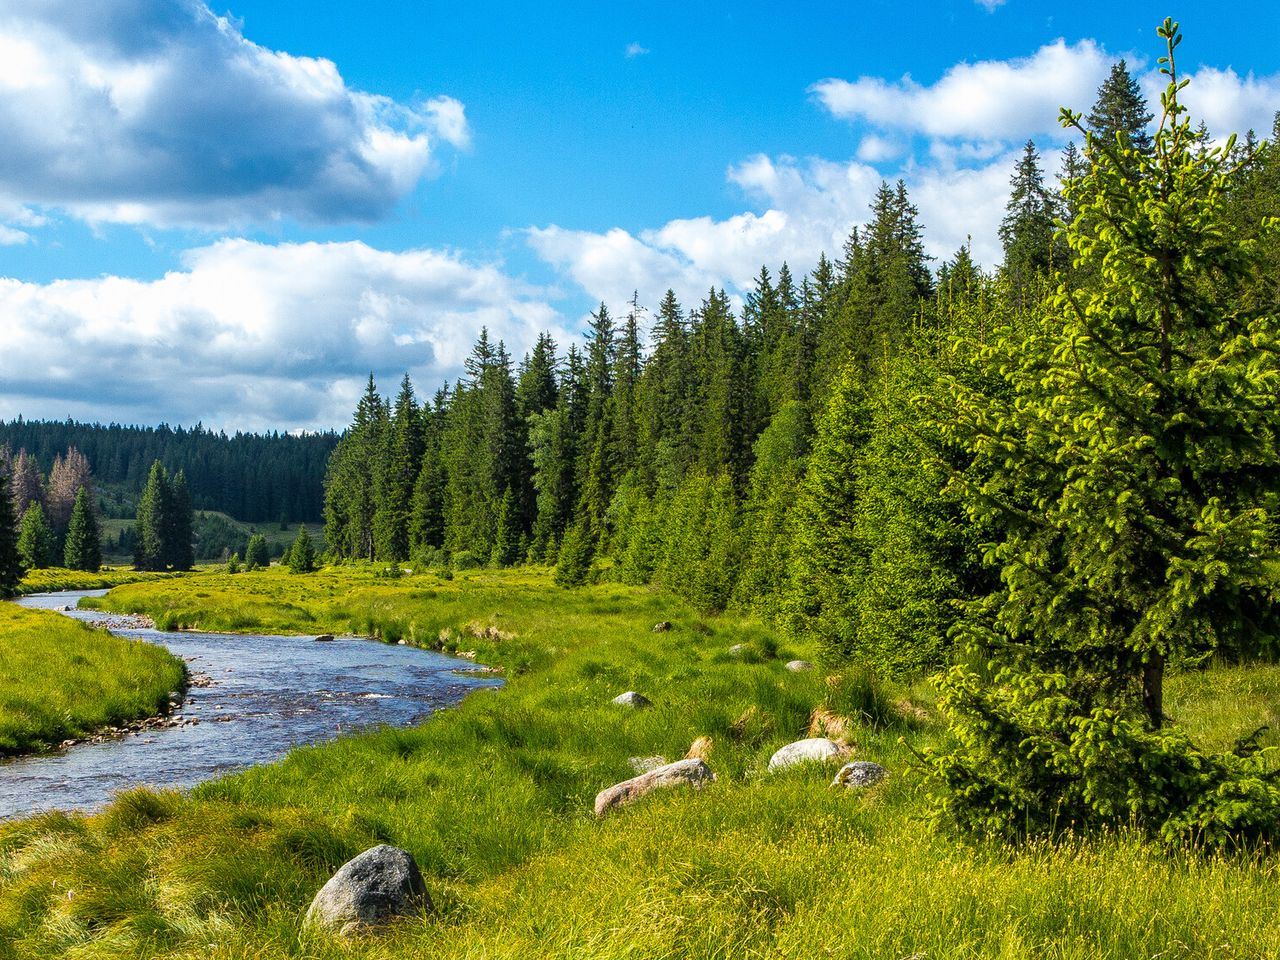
(36,539)
(1027,228)
(179,525)
(398,469)
(83,549)
(256,554)
(1133,458)
(302,555)
(154,512)
(1119,115)
(10,560)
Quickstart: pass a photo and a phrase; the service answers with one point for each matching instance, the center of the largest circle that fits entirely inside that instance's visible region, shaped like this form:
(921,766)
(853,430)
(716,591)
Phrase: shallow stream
(264,695)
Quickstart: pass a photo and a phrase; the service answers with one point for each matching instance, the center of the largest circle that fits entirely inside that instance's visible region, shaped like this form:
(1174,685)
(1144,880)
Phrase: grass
(494,798)
(56,579)
(61,679)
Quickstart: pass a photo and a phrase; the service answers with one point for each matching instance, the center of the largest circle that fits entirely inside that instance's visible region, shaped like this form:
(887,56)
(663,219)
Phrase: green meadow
(60,679)
(494,800)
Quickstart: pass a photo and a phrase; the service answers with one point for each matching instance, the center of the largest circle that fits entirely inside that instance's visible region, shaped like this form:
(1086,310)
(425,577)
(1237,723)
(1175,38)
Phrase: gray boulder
(379,885)
(325,638)
(683,773)
(636,701)
(860,773)
(797,666)
(813,750)
(662,626)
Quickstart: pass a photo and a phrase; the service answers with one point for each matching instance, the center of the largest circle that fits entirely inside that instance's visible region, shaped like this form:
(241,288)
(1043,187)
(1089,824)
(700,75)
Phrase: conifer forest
(901,607)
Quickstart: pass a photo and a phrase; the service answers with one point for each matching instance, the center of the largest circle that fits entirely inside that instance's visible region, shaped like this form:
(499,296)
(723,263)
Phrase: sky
(232,213)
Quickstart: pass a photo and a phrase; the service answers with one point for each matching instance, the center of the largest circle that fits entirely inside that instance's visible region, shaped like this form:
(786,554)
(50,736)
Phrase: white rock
(637,701)
(813,750)
(683,773)
(797,666)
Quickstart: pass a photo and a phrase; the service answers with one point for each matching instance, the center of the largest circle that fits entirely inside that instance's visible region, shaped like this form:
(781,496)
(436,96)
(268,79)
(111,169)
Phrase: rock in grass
(860,773)
(662,626)
(813,750)
(636,701)
(798,666)
(374,888)
(683,773)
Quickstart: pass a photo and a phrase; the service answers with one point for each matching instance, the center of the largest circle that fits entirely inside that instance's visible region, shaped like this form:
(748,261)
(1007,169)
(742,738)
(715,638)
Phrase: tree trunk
(1153,689)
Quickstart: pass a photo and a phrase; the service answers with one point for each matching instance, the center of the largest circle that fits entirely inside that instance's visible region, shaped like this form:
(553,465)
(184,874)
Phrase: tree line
(1065,470)
(49,521)
(258,478)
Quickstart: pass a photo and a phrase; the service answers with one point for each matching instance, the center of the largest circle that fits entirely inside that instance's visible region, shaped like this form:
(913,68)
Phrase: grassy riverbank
(60,679)
(56,579)
(494,800)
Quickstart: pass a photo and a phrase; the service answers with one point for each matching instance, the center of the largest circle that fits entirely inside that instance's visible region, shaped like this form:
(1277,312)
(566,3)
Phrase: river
(265,695)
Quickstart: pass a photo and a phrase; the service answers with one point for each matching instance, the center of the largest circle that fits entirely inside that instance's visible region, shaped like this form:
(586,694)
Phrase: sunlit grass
(61,679)
(494,798)
(56,579)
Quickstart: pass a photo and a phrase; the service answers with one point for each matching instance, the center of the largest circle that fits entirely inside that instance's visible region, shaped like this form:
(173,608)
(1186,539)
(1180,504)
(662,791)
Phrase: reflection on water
(266,694)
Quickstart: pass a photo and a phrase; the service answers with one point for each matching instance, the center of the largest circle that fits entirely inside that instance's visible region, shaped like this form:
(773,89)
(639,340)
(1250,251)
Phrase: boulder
(636,701)
(683,773)
(797,666)
(662,626)
(379,885)
(645,764)
(813,750)
(325,638)
(738,650)
(860,773)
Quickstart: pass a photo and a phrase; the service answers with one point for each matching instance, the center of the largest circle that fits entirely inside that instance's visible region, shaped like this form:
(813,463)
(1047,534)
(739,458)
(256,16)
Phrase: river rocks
(813,750)
(860,773)
(633,700)
(683,773)
(799,666)
(374,888)
(662,626)
(325,638)
(645,764)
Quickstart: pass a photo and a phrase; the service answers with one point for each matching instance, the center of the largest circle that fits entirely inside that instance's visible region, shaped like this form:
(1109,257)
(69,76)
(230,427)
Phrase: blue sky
(232,213)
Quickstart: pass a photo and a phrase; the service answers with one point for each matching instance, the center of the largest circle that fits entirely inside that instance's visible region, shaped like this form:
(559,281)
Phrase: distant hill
(259,478)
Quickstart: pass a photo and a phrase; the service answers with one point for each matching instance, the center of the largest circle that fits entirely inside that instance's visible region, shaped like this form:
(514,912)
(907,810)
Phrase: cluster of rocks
(384,882)
(124,621)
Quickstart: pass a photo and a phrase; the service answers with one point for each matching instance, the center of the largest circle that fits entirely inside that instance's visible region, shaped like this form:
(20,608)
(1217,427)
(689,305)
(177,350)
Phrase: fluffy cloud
(998,99)
(250,335)
(160,112)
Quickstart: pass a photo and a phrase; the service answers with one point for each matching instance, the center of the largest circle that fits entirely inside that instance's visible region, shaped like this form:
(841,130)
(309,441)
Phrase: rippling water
(267,694)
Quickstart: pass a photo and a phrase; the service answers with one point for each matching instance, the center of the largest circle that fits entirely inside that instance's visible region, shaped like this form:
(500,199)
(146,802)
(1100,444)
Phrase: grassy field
(55,579)
(494,800)
(61,679)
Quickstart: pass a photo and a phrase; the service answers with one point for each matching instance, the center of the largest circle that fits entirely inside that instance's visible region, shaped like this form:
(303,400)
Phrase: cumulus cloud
(634,50)
(256,336)
(981,101)
(160,112)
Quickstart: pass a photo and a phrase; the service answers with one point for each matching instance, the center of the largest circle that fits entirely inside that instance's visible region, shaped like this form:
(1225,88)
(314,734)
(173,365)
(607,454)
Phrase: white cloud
(991,99)
(256,336)
(991,5)
(1227,102)
(160,112)
(634,50)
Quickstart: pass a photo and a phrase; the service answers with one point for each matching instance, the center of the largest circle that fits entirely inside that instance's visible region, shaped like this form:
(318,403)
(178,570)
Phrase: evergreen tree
(10,559)
(302,555)
(36,540)
(576,553)
(68,475)
(83,549)
(256,554)
(1027,228)
(400,467)
(1119,115)
(1133,460)
(178,525)
(154,511)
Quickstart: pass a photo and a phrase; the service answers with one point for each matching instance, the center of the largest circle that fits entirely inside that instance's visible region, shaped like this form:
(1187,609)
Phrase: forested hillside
(257,478)
(1067,469)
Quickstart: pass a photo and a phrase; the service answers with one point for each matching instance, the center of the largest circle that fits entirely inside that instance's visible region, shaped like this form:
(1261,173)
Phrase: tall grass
(494,798)
(61,679)
(55,579)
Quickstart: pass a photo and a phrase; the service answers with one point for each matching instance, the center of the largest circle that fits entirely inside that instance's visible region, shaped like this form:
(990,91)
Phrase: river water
(266,695)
